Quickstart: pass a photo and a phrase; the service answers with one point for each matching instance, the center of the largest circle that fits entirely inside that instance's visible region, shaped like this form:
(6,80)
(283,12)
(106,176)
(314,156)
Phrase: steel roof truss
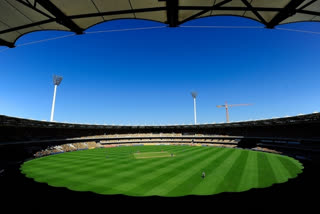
(288,11)
(254,11)
(34,7)
(61,18)
(172,7)
(308,4)
(205,11)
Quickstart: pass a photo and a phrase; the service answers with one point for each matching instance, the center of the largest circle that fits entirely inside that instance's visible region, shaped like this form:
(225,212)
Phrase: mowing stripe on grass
(210,184)
(292,167)
(151,172)
(120,177)
(123,179)
(266,173)
(52,162)
(115,171)
(196,165)
(134,164)
(281,172)
(233,177)
(160,176)
(250,177)
(132,178)
(190,179)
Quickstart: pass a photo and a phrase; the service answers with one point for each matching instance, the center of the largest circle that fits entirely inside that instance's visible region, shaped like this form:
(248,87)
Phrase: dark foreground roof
(19,17)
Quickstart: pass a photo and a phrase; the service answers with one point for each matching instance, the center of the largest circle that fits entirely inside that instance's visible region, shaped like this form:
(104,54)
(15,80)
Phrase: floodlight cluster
(57,79)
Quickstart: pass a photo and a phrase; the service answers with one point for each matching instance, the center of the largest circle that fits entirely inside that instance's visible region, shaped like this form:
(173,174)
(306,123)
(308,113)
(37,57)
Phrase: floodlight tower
(56,81)
(194,95)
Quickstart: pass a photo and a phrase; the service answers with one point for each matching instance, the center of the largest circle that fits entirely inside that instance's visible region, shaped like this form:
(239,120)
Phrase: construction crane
(228,106)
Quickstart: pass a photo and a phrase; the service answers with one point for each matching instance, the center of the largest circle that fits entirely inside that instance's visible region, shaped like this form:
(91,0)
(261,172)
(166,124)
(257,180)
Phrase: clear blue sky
(146,76)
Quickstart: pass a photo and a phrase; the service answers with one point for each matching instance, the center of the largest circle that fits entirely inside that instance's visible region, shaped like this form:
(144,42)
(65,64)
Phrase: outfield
(121,170)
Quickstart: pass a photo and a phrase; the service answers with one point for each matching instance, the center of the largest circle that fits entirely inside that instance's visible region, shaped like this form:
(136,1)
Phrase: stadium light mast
(56,81)
(194,95)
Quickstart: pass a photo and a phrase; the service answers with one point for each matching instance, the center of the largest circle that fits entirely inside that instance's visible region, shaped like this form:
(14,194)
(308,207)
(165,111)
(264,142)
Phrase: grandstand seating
(146,139)
(295,136)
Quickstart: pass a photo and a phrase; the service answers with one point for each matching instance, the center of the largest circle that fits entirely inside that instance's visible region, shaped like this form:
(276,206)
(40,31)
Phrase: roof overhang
(19,17)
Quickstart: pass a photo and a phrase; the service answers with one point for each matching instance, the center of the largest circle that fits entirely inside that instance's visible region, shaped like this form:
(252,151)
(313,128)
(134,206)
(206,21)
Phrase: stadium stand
(297,136)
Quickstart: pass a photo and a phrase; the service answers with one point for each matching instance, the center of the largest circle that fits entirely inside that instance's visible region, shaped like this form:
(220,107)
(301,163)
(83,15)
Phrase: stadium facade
(297,136)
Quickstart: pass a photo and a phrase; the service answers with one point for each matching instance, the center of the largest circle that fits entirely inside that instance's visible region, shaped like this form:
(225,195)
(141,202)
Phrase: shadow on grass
(21,193)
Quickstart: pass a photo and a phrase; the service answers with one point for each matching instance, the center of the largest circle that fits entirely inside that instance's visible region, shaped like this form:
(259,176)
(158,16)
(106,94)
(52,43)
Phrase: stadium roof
(22,122)
(19,17)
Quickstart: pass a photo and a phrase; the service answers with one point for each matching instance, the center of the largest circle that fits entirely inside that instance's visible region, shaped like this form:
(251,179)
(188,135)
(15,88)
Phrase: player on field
(203,174)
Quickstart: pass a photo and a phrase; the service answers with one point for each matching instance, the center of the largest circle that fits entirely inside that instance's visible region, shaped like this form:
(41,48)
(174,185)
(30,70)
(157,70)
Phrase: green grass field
(151,170)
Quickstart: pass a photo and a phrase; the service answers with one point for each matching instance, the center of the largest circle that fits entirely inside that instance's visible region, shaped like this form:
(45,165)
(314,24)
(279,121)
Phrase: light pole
(194,95)
(56,81)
